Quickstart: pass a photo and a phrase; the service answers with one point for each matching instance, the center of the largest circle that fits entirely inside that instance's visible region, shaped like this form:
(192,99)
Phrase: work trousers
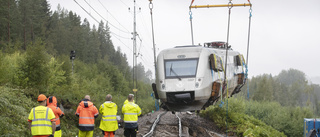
(85,133)
(130,132)
(57,133)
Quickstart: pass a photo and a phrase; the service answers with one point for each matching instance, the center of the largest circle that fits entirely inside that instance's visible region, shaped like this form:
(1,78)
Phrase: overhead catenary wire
(124,3)
(146,62)
(113,16)
(87,12)
(119,35)
(94,17)
(141,44)
(99,22)
(114,34)
(105,19)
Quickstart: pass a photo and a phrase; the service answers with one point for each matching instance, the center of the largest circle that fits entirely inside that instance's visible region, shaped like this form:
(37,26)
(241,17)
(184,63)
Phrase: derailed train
(190,78)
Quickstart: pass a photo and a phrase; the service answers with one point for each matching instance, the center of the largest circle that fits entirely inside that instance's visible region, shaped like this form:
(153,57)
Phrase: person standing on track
(109,123)
(52,103)
(131,111)
(86,112)
(42,119)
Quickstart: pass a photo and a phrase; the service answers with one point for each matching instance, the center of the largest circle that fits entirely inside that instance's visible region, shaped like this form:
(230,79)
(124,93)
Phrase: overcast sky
(284,33)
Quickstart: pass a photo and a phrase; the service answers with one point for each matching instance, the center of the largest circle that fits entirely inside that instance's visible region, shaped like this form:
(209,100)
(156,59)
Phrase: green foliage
(56,75)
(286,119)
(34,69)
(15,107)
(238,121)
(245,116)
(9,64)
(96,80)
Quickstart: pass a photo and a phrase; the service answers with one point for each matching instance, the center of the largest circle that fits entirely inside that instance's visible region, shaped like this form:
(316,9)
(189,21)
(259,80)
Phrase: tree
(35,70)
(291,76)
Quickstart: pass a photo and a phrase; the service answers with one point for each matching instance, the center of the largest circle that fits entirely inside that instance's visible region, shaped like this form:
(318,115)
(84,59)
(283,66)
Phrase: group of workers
(44,120)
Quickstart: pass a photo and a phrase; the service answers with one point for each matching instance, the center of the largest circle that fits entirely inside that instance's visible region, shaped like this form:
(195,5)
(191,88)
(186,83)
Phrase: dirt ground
(192,125)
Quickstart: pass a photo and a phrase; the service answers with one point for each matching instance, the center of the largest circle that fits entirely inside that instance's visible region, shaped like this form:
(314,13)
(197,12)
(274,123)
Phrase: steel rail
(154,125)
(180,130)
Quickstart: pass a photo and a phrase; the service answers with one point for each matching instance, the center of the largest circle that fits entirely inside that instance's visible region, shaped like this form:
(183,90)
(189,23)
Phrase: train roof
(198,48)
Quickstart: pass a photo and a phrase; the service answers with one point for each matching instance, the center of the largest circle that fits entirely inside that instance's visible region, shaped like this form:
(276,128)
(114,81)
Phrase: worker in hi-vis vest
(109,123)
(86,112)
(42,119)
(126,101)
(131,111)
(53,104)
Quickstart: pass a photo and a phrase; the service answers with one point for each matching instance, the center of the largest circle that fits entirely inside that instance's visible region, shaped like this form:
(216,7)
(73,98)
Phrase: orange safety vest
(86,112)
(52,103)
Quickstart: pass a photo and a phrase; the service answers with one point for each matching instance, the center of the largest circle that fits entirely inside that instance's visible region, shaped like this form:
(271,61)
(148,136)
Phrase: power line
(145,62)
(123,43)
(119,35)
(98,21)
(140,44)
(105,19)
(87,12)
(113,16)
(116,36)
(124,3)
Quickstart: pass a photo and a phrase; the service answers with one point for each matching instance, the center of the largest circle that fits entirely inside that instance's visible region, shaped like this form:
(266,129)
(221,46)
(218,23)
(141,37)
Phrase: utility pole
(134,51)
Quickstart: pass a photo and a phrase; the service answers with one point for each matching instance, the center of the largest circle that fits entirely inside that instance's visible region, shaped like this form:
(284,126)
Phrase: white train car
(190,78)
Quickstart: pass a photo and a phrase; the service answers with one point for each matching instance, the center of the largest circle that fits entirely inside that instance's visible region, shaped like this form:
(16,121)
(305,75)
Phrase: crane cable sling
(249,29)
(154,47)
(190,13)
(225,73)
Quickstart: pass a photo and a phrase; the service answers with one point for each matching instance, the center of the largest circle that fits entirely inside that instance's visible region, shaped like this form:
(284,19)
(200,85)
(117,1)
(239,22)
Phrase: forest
(35,46)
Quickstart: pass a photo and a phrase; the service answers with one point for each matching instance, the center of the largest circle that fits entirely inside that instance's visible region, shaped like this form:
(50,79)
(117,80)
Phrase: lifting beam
(222,5)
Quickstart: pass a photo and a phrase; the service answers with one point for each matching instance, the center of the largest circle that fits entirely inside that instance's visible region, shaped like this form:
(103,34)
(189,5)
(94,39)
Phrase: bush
(34,70)
(237,121)
(288,120)
(15,107)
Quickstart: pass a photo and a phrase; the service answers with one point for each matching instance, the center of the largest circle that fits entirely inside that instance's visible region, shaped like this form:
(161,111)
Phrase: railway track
(181,124)
(170,133)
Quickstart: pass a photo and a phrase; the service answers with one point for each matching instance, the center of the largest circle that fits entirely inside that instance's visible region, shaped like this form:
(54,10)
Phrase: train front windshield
(180,68)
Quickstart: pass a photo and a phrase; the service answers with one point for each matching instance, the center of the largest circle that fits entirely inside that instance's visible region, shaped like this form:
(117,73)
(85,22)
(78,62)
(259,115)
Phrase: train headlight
(163,86)
(197,84)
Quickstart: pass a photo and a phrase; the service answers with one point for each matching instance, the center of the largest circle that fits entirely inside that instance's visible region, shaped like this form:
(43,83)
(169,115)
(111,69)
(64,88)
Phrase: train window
(181,68)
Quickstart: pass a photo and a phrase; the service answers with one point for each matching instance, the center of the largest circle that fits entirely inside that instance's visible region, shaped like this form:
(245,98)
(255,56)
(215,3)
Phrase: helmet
(42,97)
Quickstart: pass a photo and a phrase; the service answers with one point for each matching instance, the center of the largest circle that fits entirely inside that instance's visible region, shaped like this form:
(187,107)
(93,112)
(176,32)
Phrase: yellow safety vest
(131,112)
(109,120)
(125,102)
(41,120)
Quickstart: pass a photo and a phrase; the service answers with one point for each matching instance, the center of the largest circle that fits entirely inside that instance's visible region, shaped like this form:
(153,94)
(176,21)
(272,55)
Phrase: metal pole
(154,45)
(134,49)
